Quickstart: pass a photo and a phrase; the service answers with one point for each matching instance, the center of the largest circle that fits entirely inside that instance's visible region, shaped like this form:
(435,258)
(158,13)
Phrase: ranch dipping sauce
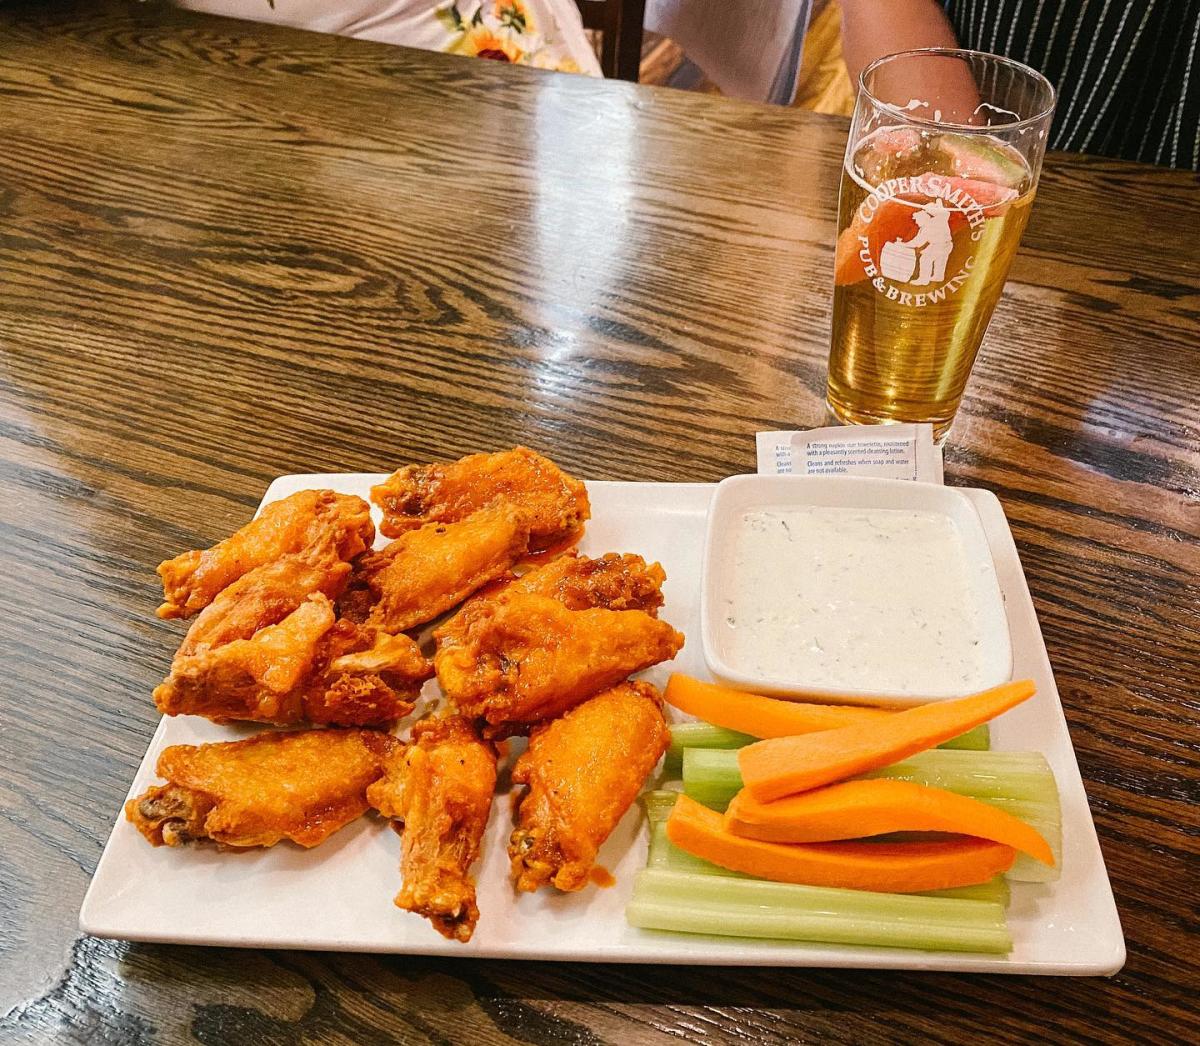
(852,599)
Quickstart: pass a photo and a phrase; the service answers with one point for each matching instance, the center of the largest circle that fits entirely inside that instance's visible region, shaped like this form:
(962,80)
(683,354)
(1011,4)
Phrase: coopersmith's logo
(930,208)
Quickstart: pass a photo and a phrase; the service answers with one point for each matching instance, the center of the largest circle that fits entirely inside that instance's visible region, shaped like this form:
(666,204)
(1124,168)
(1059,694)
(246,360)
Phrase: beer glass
(940,171)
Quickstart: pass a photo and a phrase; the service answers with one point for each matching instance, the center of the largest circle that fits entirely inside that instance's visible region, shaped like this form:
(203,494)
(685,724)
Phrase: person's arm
(872,29)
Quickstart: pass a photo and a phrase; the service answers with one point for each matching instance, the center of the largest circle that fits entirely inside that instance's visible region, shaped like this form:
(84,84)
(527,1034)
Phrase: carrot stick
(782,766)
(857,809)
(761,716)
(886,867)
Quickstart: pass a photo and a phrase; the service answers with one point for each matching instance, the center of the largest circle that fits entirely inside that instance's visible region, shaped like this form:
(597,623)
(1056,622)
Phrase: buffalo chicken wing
(611,582)
(306,519)
(430,570)
(441,788)
(582,772)
(302,786)
(557,504)
(308,667)
(519,659)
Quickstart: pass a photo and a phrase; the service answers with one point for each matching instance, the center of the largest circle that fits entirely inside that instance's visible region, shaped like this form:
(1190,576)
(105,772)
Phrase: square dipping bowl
(739,495)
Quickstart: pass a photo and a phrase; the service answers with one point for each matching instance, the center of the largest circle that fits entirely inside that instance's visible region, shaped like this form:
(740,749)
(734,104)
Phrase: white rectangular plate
(338,896)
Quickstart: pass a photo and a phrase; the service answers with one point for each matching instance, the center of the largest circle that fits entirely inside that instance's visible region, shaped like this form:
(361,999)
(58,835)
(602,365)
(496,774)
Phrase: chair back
(620,26)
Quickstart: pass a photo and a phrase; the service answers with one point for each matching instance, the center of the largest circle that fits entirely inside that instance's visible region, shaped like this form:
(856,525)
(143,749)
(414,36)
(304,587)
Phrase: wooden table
(229,252)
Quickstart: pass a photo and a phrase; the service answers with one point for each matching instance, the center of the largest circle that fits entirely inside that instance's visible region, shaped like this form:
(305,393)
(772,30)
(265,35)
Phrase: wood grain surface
(229,252)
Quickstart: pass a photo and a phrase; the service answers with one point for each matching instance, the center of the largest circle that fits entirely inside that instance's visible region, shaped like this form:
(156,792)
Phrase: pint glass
(940,172)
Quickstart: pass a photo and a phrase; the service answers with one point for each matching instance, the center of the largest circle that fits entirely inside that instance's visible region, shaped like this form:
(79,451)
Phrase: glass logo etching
(916,222)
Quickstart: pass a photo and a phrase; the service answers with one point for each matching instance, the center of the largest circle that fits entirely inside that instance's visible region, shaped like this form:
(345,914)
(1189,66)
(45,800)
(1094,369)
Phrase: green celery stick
(983,775)
(664,854)
(724,906)
(712,777)
(977,740)
(699,735)
(705,735)
(995,890)
(658,804)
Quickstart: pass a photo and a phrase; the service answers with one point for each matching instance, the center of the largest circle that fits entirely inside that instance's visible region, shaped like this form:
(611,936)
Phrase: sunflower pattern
(503,31)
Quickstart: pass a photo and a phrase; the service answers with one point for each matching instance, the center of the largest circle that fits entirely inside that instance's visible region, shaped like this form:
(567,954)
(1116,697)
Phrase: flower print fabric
(546,34)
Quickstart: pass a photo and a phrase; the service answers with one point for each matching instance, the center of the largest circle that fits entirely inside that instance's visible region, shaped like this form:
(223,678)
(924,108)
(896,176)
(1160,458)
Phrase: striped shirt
(1127,71)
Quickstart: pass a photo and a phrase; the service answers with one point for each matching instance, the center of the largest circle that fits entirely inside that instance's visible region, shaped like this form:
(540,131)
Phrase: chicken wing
(582,771)
(309,667)
(445,492)
(612,581)
(519,659)
(192,580)
(441,787)
(265,596)
(429,570)
(301,785)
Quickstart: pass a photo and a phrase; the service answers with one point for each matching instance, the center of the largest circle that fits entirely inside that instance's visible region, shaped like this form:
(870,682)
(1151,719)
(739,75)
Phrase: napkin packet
(882,451)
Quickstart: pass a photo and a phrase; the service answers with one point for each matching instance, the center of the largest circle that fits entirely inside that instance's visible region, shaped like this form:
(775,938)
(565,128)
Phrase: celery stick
(699,735)
(707,904)
(705,735)
(755,892)
(983,775)
(658,805)
(712,777)
(715,920)
(995,890)
(665,854)
(977,740)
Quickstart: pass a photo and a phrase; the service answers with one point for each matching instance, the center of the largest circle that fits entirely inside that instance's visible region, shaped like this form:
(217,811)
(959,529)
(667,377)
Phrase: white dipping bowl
(738,495)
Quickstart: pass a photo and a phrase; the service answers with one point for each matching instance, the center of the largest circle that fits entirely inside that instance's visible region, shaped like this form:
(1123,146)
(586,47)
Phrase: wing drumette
(308,518)
(302,786)
(519,659)
(557,503)
(583,771)
(441,787)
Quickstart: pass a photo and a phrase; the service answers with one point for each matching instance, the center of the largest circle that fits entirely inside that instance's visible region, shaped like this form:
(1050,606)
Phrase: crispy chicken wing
(429,570)
(522,658)
(265,596)
(582,771)
(611,581)
(192,580)
(301,785)
(445,492)
(308,667)
(441,787)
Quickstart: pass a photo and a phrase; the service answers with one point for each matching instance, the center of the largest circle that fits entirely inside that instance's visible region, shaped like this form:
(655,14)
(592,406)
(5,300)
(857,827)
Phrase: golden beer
(929,219)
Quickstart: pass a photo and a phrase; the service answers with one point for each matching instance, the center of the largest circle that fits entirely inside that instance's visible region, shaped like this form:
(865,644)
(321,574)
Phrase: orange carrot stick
(858,809)
(886,867)
(783,766)
(761,716)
